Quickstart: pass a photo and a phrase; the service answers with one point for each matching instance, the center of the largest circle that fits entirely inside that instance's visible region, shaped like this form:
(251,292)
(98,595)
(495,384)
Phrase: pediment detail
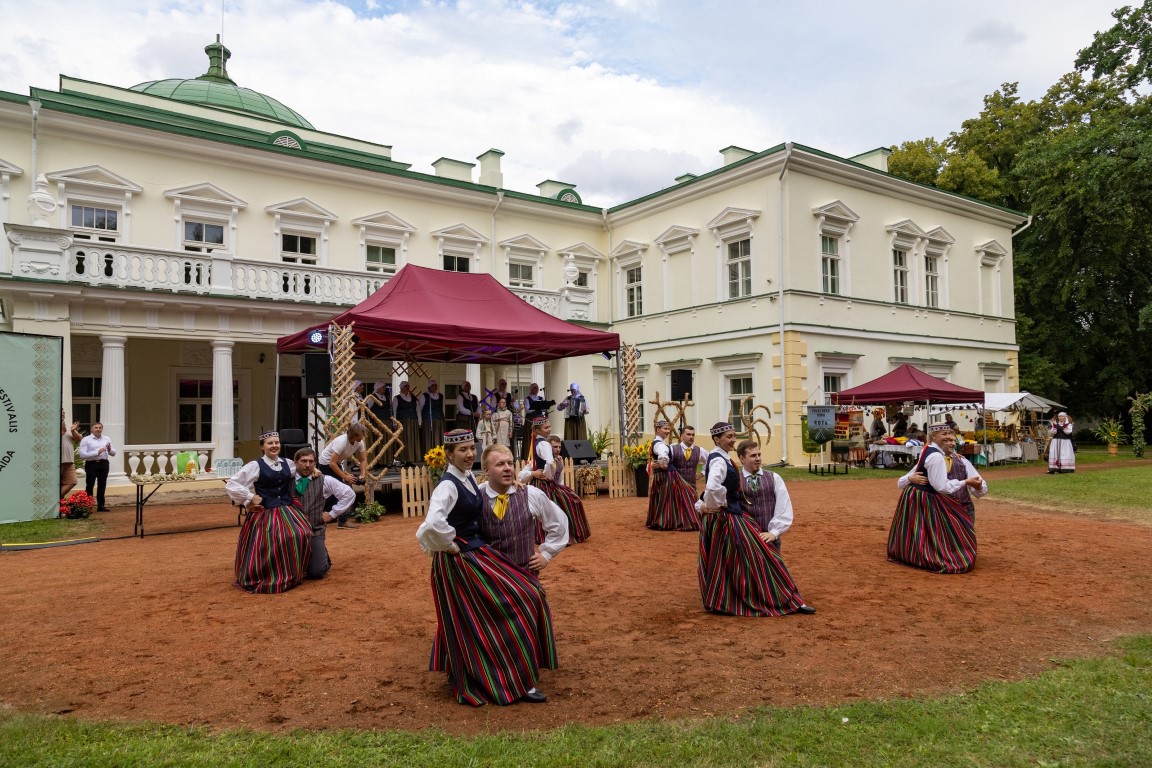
(732,216)
(627,248)
(460,232)
(836,210)
(94,176)
(205,193)
(384,220)
(524,242)
(302,207)
(10,169)
(581,250)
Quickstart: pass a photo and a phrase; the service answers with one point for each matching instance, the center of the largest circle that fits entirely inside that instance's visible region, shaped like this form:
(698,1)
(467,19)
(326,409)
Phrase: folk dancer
(95,449)
(406,410)
(532,407)
(431,416)
(1061,454)
(575,408)
(739,573)
(494,628)
(312,494)
(485,429)
(274,545)
(541,473)
(687,457)
(349,445)
(763,495)
(355,400)
(467,407)
(931,529)
(502,423)
(511,525)
(959,470)
(671,501)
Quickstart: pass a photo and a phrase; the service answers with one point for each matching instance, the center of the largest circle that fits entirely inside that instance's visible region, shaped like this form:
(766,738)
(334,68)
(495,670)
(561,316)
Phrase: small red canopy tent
(454,317)
(907,383)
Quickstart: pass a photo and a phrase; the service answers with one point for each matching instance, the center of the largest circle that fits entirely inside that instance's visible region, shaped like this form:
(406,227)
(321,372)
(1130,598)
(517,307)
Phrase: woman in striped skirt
(671,501)
(931,529)
(544,471)
(275,542)
(740,574)
(494,628)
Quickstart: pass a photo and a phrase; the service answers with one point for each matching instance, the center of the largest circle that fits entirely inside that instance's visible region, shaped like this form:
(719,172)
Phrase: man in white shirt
(954,474)
(511,514)
(765,496)
(312,490)
(345,446)
(95,450)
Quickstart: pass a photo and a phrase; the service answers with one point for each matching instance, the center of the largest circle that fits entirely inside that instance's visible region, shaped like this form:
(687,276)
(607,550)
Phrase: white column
(472,376)
(112,403)
(396,379)
(223,428)
(538,377)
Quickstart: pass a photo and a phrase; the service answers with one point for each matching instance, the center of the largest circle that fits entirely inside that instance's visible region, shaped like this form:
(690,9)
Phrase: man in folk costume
(959,470)
(931,529)
(532,407)
(467,407)
(575,408)
(740,573)
(687,457)
(1061,454)
(431,404)
(764,497)
(406,410)
(541,472)
(671,501)
(513,515)
(311,494)
(494,628)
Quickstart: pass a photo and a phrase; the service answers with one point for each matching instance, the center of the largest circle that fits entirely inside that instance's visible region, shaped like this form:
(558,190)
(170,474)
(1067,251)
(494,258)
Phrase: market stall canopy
(903,384)
(1018,401)
(432,315)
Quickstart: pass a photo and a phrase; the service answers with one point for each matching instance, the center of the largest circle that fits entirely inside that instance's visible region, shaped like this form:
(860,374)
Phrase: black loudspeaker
(579,451)
(317,376)
(681,383)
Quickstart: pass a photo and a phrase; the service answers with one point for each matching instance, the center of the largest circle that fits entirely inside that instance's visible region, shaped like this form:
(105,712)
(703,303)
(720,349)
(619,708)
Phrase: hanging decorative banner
(821,422)
(30,426)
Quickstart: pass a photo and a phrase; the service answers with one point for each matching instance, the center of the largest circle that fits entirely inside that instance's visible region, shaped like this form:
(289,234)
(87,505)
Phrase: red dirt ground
(150,629)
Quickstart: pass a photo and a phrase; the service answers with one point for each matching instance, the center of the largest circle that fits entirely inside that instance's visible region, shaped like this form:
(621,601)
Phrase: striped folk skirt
(494,629)
(273,549)
(739,574)
(671,503)
(932,531)
(567,499)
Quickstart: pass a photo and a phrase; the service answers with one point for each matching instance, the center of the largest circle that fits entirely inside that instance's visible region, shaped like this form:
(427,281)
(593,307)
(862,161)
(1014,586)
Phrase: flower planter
(1113,449)
(641,481)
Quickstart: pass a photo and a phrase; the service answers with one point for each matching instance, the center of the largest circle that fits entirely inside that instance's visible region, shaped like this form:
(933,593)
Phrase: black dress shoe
(534,697)
(807,610)
(103,509)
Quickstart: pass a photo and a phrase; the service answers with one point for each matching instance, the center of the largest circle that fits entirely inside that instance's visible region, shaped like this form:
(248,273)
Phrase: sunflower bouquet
(637,455)
(437,461)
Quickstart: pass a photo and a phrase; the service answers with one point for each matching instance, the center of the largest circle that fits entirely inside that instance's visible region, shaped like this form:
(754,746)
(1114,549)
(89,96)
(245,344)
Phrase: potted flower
(1111,431)
(437,462)
(636,456)
(77,506)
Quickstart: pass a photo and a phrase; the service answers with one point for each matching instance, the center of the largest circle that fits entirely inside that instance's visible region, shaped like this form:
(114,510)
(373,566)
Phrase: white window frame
(729,396)
(95,187)
(729,226)
(629,255)
(835,220)
(241,429)
(204,204)
(380,267)
(533,273)
(906,236)
(900,275)
(990,256)
(460,242)
(297,257)
(303,218)
(203,246)
(86,372)
(524,251)
(633,290)
(937,245)
(384,230)
(830,265)
(932,281)
(742,263)
(836,364)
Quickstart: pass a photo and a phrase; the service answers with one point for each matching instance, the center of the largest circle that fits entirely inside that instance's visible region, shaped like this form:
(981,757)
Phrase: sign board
(225,468)
(30,439)
(821,422)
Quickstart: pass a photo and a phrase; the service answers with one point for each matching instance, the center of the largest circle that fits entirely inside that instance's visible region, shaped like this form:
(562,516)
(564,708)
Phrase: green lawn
(51,529)
(1091,712)
(1122,491)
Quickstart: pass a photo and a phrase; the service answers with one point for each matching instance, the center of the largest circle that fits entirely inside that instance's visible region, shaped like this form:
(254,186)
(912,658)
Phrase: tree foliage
(1079,160)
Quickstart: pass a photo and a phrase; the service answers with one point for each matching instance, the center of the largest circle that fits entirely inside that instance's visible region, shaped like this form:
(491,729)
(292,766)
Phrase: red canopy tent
(431,315)
(907,383)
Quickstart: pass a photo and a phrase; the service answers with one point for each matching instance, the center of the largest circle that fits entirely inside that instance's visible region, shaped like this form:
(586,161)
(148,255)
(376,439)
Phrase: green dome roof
(216,89)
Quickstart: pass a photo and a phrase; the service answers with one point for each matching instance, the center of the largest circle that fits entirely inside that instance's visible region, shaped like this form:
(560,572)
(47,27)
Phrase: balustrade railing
(99,264)
(144,460)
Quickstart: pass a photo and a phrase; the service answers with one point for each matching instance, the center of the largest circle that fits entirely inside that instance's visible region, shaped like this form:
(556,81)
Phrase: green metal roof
(215,89)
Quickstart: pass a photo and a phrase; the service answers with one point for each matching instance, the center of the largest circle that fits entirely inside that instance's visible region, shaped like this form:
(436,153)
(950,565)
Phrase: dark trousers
(318,561)
(330,502)
(96,474)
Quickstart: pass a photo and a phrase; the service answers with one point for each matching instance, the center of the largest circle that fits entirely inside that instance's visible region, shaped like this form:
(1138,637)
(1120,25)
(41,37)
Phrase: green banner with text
(30,440)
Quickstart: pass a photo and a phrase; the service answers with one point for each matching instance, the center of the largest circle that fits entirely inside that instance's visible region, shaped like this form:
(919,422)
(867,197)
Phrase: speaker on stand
(681,387)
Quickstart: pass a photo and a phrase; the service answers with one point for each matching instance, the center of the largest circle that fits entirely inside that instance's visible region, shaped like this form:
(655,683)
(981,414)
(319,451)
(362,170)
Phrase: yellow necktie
(501,506)
(948,463)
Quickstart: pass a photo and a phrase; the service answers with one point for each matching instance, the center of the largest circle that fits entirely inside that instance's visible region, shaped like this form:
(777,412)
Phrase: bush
(369,513)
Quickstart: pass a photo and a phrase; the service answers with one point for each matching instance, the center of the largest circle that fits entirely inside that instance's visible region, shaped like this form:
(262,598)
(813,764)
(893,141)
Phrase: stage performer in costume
(575,408)
(764,497)
(485,430)
(960,470)
(380,404)
(406,409)
(431,404)
(349,445)
(532,407)
(671,501)
(312,493)
(494,628)
(1061,456)
(687,457)
(931,529)
(510,525)
(467,407)
(740,573)
(502,423)
(275,542)
(541,473)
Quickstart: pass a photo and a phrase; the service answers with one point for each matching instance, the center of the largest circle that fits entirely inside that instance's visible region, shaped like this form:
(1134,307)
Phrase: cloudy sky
(615,96)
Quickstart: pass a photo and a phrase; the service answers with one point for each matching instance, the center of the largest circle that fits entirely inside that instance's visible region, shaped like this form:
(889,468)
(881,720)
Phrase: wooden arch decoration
(679,407)
(755,420)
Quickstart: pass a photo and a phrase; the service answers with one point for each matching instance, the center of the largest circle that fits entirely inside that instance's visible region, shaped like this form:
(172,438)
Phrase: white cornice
(94,177)
(524,242)
(207,194)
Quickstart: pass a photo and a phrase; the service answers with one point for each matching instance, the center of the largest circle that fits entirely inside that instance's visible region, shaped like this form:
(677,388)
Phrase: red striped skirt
(671,503)
(494,628)
(272,550)
(567,499)
(739,574)
(932,531)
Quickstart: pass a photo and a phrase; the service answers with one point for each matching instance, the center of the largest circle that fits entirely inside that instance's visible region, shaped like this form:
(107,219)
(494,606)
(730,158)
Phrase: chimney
(734,154)
(454,169)
(876,158)
(551,188)
(490,174)
(685,177)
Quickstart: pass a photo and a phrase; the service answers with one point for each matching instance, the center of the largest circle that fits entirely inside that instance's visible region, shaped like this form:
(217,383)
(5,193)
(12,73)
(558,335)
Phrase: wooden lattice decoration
(753,421)
(680,407)
(408,369)
(341,351)
(631,394)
